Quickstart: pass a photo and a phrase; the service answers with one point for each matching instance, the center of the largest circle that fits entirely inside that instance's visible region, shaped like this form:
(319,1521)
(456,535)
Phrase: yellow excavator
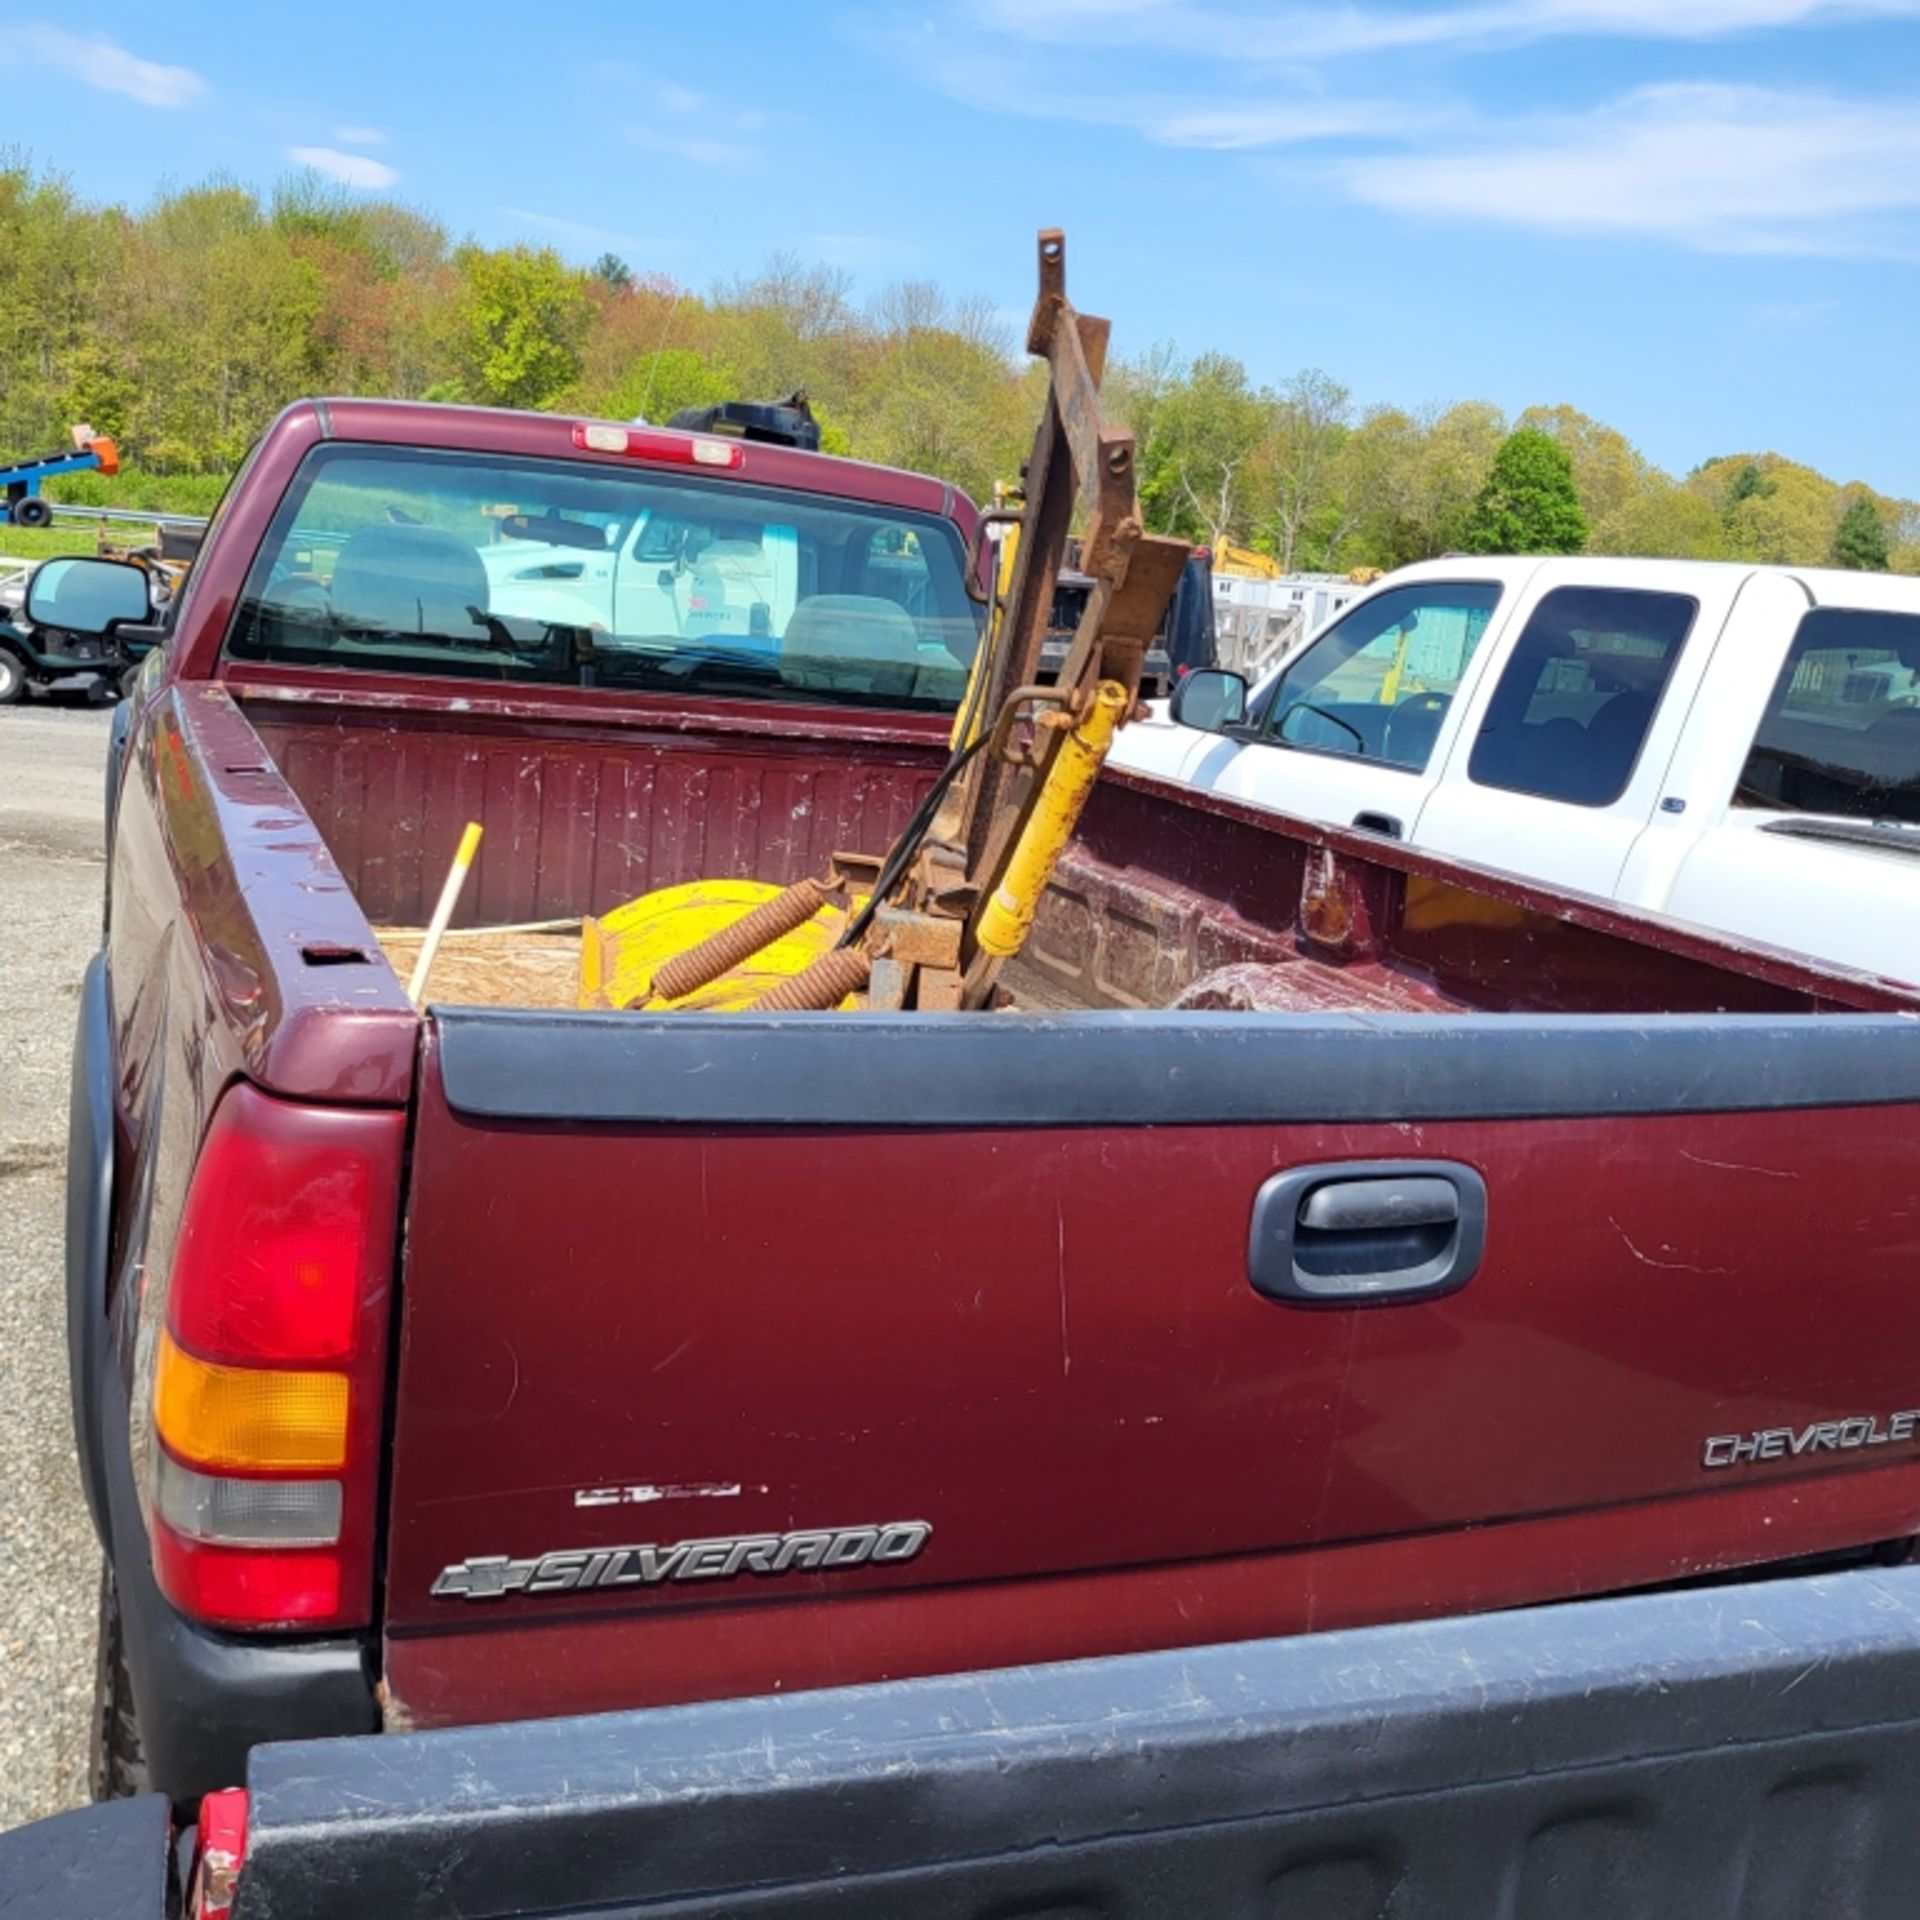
(1242,563)
(928,924)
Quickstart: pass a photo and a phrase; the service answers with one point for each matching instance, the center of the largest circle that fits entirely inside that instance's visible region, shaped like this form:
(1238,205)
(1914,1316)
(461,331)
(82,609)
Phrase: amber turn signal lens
(258,1417)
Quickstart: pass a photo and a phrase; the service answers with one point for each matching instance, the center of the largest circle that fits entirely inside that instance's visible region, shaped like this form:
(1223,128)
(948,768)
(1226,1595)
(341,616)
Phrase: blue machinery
(21,502)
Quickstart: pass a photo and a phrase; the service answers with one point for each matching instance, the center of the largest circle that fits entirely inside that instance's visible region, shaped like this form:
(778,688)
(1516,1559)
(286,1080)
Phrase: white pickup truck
(1735,746)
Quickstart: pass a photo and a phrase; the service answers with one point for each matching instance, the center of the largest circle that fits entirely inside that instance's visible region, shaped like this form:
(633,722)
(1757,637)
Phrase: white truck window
(1571,710)
(1376,685)
(1841,734)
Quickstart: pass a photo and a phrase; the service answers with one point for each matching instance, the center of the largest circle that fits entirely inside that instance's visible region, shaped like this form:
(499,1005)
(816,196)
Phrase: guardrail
(128,516)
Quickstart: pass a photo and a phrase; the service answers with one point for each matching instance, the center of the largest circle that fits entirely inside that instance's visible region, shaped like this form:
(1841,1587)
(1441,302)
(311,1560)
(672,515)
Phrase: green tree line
(182,327)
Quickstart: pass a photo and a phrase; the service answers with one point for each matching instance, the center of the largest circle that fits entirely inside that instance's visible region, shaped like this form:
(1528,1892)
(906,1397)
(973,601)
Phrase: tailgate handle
(1355,1206)
(1367,1232)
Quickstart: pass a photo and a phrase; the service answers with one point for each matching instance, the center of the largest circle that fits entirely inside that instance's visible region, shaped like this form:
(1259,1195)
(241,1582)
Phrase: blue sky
(1698,220)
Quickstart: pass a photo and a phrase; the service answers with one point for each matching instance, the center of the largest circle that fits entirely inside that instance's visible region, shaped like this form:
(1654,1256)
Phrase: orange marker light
(262,1418)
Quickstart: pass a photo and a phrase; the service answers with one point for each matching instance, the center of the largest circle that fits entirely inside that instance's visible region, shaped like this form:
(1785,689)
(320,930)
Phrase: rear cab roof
(549,436)
(1824,586)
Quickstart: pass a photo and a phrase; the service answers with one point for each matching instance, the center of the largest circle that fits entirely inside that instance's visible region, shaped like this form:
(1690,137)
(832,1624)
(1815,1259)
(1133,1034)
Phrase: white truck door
(1355,727)
(1804,774)
(650,582)
(1714,737)
(1562,762)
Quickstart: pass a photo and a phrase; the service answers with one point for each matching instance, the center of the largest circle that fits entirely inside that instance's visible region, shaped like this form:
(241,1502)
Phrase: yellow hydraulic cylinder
(1390,686)
(1005,919)
(970,719)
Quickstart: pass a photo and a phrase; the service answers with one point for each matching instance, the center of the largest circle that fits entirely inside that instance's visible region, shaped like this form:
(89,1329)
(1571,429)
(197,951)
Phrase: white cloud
(1234,36)
(682,102)
(1720,168)
(699,152)
(1218,119)
(603,239)
(857,250)
(349,169)
(1795,313)
(1709,166)
(100,62)
(360,136)
(1272,123)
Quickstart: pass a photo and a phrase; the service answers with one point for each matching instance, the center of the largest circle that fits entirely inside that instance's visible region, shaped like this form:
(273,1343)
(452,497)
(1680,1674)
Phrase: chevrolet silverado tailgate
(761,1352)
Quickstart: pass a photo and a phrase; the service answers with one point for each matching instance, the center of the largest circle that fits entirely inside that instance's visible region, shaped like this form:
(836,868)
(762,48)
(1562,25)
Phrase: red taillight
(273,1264)
(270,1373)
(649,443)
(248,1586)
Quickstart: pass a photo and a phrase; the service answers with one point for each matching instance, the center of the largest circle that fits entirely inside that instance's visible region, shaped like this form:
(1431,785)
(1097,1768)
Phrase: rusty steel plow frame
(953,899)
(939,942)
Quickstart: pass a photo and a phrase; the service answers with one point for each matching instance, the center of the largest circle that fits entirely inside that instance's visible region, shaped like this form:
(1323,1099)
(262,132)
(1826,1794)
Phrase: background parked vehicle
(1734,746)
(69,629)
(1183,644)
(22,504)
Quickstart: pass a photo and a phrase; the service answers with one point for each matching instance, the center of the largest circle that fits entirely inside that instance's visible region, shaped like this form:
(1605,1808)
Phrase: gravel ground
(51,767)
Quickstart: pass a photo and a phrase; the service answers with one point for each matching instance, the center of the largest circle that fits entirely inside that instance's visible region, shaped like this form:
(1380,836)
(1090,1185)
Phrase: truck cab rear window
(1572,709)
(1841,734)
(498,569)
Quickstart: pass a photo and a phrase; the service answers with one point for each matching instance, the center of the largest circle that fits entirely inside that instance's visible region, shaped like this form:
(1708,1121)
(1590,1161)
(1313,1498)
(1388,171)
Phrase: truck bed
(1192,901)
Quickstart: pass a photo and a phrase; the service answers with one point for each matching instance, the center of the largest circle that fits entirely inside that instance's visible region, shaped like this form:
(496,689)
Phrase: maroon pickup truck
(1318,1234)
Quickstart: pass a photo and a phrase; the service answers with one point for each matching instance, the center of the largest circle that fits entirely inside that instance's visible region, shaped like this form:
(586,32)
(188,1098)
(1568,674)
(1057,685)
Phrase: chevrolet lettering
(812,1550)
(1821,1436)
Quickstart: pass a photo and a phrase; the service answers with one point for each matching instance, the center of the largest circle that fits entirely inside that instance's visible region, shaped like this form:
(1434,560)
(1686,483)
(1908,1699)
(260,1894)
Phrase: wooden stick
(569,925)
(443,912)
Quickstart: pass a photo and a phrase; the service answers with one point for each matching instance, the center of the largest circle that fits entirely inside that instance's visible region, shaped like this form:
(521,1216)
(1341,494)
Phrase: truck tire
(33,511)
(13,679)
(116,1764)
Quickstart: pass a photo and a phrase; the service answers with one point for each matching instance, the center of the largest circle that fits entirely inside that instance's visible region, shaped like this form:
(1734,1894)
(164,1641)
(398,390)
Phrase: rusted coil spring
(823,983)
(791,908)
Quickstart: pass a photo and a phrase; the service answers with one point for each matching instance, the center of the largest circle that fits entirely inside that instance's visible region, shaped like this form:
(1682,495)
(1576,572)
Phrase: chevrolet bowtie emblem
(489,1577)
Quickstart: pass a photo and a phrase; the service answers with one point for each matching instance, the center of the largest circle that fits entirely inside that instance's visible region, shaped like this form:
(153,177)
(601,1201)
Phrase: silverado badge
(814,1550)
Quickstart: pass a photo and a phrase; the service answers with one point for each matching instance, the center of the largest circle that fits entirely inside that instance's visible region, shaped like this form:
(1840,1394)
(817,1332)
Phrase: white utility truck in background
(1730,745)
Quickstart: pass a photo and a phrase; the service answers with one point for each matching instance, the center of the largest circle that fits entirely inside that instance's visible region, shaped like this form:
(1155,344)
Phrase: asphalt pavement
(52,761)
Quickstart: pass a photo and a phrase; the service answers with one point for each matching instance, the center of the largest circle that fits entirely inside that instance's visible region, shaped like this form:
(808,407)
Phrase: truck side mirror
(1209,699)
(88,596)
